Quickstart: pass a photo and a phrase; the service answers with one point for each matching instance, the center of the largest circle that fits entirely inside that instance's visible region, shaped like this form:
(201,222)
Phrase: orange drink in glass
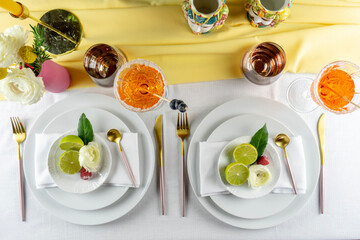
(336,86)
(140,85)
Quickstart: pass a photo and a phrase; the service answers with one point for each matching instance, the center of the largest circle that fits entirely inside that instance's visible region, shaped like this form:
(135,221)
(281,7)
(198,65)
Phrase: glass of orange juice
(140,85)
(336,88)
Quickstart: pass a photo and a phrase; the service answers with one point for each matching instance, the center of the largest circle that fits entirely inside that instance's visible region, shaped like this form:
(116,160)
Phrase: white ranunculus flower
(8,51)
(21,85)
(19,34)
(90,157)
(10,42)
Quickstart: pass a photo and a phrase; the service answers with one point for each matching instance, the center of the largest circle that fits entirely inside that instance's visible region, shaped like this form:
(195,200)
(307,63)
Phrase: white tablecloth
(342,178)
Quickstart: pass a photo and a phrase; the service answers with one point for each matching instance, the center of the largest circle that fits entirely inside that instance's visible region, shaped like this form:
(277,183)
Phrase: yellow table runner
(316,33)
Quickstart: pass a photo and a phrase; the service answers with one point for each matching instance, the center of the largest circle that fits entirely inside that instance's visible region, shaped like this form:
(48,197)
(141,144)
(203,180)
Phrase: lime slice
(245,153)
(69,162)
(71,142)
(236,173)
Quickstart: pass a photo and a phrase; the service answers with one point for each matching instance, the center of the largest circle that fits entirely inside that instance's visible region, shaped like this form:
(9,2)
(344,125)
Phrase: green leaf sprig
(85,130)
(260,140)
(39,49)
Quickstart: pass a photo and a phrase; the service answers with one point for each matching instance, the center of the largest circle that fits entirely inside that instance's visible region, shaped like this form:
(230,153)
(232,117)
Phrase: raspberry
(263,160)
(85,175)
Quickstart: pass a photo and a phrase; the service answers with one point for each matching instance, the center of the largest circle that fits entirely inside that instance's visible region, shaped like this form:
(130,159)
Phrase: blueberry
(182,107)
(177,103)
(173,104)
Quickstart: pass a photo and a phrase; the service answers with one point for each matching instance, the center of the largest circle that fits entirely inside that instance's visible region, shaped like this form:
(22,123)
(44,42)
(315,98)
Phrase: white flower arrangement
(20,84)
(11,40)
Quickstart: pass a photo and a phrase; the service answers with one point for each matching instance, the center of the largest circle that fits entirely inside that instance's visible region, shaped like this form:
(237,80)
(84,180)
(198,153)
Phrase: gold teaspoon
(282,140)
(114,135)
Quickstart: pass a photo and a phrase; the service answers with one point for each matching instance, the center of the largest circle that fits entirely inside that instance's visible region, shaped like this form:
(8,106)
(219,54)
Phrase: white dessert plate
(130,199)
(290,205)
(248,124)
(244,190)
(101,121)
(73,183)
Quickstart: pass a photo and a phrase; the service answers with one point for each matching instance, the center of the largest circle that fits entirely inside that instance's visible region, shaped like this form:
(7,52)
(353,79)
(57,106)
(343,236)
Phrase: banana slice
(90,157)
(259,175)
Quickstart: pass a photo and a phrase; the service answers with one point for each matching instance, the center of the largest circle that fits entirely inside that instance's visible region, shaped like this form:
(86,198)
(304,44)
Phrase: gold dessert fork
(19,136)
(183,131)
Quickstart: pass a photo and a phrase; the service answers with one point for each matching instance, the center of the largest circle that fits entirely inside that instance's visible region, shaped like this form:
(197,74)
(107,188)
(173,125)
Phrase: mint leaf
(260,139)
(85,130)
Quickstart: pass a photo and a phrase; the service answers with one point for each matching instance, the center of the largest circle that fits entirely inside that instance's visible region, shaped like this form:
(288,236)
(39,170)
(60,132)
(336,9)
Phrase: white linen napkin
(210,183)
(118,175)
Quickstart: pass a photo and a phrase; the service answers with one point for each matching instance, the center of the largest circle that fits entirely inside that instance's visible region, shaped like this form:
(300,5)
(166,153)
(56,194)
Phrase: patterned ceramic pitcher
(264,13)
(204,16)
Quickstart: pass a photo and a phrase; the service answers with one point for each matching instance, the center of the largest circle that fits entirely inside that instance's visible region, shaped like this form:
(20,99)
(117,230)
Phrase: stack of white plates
(243,117)
(106,203)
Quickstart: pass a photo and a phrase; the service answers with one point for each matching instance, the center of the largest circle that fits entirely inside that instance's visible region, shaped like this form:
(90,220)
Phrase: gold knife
(158,133)
(321,131)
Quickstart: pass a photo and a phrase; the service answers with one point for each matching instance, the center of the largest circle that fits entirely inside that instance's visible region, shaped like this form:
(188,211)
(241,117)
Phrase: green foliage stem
(39,49)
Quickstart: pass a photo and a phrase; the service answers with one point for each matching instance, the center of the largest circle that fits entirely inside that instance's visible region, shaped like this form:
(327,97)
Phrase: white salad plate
(101,121)
(248,124)
(72,183)
(244,190)
(132,196)
(295,126)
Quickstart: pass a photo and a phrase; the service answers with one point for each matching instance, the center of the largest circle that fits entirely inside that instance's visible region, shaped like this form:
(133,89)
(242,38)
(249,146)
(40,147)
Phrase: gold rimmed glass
(140,85)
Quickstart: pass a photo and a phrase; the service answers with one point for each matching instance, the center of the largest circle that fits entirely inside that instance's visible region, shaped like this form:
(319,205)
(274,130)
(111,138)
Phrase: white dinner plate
(131,198)
(101,121)
(72,183)
(272,109)
(244,191)
(246,124)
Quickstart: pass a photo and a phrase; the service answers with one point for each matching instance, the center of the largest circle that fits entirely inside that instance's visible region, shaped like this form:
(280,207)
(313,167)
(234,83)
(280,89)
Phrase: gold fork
(182,130)
(19,136)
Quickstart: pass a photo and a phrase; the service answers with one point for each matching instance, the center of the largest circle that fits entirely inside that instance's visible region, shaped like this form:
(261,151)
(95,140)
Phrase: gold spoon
(282,140)
(114,135)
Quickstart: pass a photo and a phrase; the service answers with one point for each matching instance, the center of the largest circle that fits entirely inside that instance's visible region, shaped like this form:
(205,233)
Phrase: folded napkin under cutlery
(118,175)
(211,184)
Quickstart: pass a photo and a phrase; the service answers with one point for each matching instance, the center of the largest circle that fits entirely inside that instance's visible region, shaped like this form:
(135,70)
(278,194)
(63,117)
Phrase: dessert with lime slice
(246,168)
(81,151)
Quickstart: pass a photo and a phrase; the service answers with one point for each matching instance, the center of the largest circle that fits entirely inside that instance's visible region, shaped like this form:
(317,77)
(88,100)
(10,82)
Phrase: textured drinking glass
(299,95)
(101,62)
(140,85)
(337,86)
(264,63)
